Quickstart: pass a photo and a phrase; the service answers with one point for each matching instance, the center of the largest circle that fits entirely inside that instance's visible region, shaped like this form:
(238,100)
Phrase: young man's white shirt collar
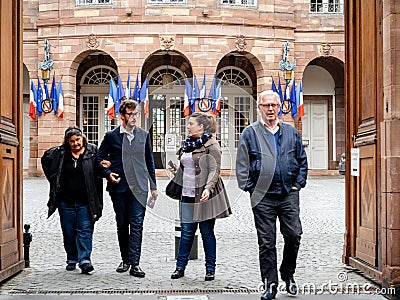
(129,135)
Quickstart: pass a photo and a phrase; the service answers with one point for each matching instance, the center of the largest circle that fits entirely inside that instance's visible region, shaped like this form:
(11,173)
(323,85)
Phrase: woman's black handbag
(174,187)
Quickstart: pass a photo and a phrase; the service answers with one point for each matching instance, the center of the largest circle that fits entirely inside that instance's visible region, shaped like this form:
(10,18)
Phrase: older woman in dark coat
(76,190)
(203,194)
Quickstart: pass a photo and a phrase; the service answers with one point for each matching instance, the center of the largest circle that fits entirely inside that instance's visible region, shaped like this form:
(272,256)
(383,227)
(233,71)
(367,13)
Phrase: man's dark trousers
(129,214)
(286,208)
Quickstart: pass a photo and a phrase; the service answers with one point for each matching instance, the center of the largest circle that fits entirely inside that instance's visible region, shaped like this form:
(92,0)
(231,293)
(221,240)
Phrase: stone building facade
(169,40)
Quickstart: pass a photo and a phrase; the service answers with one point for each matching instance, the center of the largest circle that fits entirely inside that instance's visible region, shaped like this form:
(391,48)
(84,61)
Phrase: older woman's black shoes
(178,273)
(86,268)
(70,267)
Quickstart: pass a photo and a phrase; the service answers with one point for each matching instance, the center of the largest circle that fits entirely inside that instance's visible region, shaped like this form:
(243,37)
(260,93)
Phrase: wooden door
(11,250)
(364,115)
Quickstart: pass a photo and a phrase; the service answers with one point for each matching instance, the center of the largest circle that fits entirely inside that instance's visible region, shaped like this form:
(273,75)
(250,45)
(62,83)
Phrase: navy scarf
(194,143)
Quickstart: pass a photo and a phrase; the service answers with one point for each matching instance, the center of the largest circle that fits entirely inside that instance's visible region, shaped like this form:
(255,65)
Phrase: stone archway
(166,71)
(92,87)
(323,83)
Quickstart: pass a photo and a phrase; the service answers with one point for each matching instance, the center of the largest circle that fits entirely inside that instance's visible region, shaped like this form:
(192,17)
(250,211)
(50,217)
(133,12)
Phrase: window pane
(327,6)
(177,124)
(90,111)
(108,123)
(242,116)
(223,124)
(93,2)
(248,3)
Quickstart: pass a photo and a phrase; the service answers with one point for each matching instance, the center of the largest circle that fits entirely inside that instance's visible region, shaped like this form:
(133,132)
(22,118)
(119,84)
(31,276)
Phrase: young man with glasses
(271,165)
(127,154)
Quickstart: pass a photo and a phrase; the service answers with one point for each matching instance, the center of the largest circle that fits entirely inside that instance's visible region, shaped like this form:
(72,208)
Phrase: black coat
(52,164)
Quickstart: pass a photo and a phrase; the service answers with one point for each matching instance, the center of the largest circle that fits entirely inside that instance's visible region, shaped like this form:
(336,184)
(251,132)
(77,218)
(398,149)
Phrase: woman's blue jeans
(77,228)
(188,231)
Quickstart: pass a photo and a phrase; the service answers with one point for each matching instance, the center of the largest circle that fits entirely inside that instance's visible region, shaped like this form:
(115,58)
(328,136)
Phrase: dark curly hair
(127,104)
(71,131)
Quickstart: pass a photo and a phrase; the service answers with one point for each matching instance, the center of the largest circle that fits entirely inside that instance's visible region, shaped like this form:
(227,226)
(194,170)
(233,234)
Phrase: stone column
(390,149)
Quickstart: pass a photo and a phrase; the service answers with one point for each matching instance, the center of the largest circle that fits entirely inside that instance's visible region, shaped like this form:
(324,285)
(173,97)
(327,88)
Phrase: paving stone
(319,262)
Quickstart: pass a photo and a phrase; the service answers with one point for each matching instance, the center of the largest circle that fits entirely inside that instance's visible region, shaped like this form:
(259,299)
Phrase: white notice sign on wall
(355,161)
(170,142)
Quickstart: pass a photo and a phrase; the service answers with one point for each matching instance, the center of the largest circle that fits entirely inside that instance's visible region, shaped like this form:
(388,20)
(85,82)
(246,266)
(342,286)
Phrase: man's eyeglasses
(272,105)
(132,114)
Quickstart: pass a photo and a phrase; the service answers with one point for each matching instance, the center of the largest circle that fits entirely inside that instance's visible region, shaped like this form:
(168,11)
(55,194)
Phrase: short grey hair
(268,92)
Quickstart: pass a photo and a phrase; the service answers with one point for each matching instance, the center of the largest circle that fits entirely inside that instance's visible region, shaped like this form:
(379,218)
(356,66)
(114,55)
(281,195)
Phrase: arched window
(234,76)
(165,76)
(236,105)
(99,75)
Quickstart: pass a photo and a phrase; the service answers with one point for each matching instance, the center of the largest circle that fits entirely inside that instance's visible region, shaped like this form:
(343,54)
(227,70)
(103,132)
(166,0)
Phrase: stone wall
(204,32)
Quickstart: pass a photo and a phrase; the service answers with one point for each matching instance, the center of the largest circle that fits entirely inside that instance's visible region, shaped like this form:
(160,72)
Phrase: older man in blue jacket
(271,165)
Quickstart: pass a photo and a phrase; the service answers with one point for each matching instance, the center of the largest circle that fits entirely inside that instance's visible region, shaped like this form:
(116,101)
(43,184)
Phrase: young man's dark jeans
(129,214)
(286,208)
(77,227)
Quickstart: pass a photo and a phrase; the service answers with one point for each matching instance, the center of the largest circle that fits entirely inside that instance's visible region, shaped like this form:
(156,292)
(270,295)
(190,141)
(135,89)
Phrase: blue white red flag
(144,96)
(32,101)
(187,98)
(300,101)
(218,95)
(112,99)
(60,106)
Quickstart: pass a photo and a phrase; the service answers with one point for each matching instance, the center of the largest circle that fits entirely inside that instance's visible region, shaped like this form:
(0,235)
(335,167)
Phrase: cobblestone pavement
(319,262)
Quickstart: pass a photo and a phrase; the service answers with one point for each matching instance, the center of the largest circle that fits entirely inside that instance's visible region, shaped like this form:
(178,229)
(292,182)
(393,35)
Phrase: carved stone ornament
(325,49)
(240,43)
(92,41)
(167,42)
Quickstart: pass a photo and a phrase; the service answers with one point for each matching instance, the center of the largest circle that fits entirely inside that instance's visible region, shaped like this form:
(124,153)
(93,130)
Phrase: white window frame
(245,3)
(93,2)
(97,87)
(326,6)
